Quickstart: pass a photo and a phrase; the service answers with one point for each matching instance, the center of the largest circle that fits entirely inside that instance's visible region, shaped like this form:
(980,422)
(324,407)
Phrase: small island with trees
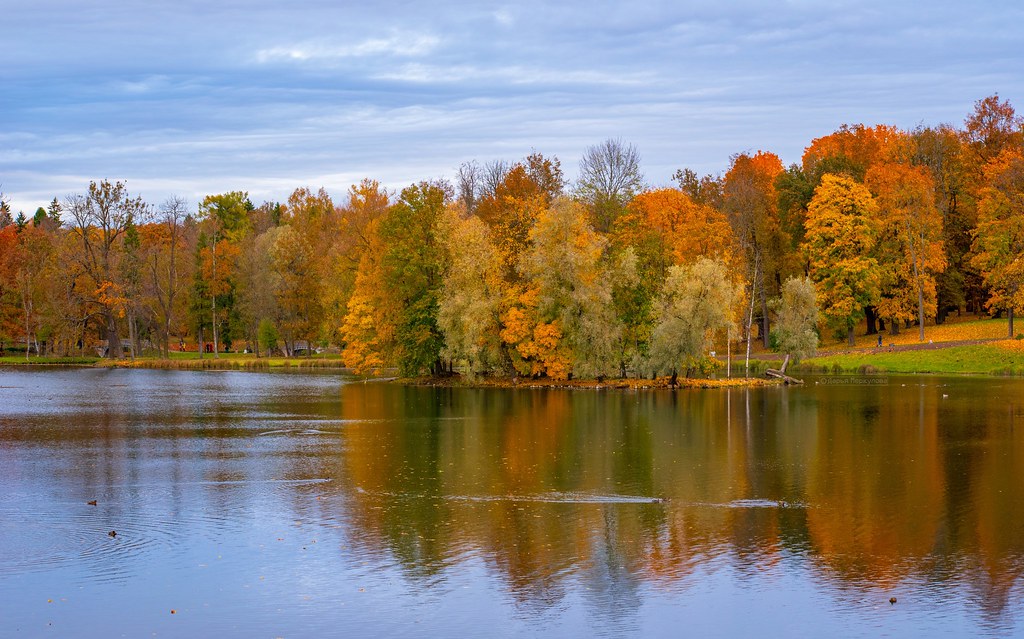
(510,274)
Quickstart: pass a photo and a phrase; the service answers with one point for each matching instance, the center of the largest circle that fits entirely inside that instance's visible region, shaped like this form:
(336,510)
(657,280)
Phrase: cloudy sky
(195,97)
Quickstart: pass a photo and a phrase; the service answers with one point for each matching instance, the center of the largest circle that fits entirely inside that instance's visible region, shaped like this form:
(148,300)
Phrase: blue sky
(191,98)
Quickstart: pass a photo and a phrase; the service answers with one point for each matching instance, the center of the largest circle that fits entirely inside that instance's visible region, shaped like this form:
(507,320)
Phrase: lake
(248,504)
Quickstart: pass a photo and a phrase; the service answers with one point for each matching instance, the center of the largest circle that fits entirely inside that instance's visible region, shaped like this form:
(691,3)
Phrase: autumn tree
(851,151)
(300,292)
(750,202)
(300,259)
(26,268)
(217,270)
(609,177)
(100,218)
(999,237)
(942,152)
(911,241)
(991,128)
(471,295)
(351,237)
(840,237)
(510,212)
(696,301)
(575,318)
(8,291)
(667,227)
(369,325)
(71,294)
(546,174)
(166,272)
(796,330)
(702,189)
(392,313)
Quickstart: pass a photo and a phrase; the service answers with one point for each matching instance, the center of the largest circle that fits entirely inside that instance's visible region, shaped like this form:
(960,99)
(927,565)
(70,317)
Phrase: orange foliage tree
(910,241)
(999,238)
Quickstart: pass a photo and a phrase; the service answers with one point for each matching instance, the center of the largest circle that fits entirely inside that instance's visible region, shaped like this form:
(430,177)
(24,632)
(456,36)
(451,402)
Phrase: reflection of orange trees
(877,486)
(994,530)
(532,441)
(531,483)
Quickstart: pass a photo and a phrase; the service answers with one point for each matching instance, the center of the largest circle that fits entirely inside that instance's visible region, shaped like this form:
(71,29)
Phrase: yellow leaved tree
(838,243)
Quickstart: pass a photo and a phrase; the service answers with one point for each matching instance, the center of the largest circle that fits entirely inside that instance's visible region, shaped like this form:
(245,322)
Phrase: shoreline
(629,383)
(986,358)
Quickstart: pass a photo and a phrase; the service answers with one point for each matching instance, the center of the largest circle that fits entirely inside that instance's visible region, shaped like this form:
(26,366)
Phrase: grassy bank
(184,361)
(20,360)
(227,361)
(1003,357)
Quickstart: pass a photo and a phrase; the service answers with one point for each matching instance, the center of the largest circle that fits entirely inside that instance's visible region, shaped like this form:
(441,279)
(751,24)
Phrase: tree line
(510,269)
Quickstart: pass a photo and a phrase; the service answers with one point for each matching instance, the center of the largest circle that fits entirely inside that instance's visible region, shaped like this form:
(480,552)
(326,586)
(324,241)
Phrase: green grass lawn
(53,361)
(191,360)
(985,359)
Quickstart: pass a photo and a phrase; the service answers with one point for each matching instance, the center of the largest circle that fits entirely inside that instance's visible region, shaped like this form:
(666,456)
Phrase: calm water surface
(302,505)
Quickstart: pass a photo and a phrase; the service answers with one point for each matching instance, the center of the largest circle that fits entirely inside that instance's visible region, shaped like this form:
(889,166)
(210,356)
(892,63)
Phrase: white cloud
(503,17)
(399,44)
(516,75)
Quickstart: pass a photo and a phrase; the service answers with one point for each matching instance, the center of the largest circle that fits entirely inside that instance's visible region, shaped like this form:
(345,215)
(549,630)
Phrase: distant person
(879,340)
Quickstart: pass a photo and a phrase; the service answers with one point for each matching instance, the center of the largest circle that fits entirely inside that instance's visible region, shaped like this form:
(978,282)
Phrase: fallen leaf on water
(91,503)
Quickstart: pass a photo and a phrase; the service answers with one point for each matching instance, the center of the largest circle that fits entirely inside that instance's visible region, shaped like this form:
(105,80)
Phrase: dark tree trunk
(113,339)
(872,318)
